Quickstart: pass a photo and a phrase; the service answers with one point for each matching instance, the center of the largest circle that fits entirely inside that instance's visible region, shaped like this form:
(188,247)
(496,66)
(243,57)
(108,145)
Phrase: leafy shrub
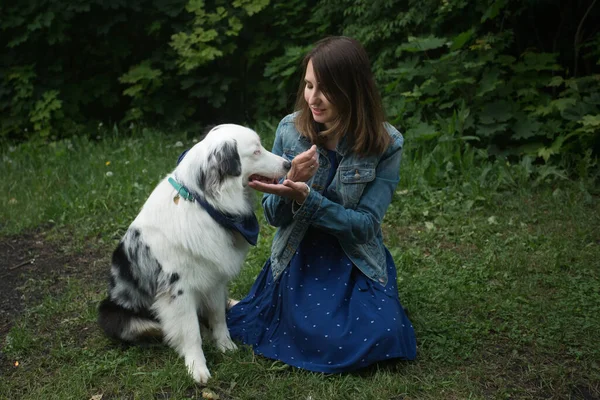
(474,65)
(512,78)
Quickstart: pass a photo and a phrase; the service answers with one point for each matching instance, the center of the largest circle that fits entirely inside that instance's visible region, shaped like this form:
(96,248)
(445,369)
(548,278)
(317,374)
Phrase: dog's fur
(174,262)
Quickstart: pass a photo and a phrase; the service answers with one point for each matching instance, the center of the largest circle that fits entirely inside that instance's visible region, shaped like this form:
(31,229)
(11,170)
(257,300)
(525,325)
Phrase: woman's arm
(361,224)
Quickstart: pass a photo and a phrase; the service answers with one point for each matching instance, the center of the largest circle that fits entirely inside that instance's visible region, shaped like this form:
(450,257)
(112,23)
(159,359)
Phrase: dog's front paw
(198,371)
(226,344)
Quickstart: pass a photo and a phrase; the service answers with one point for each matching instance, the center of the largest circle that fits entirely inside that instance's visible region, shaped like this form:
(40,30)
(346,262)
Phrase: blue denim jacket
(359,196)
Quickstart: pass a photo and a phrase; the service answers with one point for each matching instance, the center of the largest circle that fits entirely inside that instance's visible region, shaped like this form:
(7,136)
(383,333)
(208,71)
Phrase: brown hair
(343,71)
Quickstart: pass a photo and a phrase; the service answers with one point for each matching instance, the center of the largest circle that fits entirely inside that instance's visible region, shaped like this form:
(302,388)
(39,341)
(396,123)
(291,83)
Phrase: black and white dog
(189,240)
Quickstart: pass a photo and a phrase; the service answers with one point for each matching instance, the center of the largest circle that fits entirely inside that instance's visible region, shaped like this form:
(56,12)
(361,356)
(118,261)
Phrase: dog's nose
(287,165)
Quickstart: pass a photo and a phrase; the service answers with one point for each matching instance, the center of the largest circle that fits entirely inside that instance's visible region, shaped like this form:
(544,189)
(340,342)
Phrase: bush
(513,78)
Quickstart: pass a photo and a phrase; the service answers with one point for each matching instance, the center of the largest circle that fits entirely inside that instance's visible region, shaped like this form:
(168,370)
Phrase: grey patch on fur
(135,273)
(222,162)
(136,278)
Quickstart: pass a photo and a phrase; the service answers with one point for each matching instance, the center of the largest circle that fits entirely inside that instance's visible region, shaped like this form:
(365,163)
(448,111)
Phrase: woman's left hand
(297,191)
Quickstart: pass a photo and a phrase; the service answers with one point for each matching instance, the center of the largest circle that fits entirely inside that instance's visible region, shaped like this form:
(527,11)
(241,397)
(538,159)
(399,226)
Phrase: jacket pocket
(351,175)
(353,181)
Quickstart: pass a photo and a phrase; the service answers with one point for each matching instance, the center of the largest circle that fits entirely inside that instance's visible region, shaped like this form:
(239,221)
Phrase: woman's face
(322,110)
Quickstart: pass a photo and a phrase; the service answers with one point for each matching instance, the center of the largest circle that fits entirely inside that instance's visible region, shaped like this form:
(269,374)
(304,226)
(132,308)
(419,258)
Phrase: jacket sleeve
(358,225)
(277,209)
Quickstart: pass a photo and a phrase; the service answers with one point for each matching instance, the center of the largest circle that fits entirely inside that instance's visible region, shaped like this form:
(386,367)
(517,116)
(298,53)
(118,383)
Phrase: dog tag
(176,199)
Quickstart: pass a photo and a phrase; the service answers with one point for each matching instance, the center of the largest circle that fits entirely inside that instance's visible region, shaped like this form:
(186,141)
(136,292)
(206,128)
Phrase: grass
(497,264)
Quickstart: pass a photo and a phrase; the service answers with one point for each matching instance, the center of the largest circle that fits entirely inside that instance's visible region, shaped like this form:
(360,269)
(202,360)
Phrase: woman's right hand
(304,165)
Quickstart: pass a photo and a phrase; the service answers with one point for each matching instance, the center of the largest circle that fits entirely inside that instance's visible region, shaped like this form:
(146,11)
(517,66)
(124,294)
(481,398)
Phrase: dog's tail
(127,325)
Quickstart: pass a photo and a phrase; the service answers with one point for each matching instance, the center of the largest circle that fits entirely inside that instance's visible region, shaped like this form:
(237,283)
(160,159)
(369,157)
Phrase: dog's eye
(256,152)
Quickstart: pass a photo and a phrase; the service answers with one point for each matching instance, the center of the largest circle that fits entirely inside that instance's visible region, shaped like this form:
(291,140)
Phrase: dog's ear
(222,162)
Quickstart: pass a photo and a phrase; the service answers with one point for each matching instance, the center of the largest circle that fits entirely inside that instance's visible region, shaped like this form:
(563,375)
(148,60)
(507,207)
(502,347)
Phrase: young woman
(327,300)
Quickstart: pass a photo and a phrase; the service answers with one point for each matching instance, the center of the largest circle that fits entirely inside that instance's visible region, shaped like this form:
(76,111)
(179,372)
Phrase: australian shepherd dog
(173,265)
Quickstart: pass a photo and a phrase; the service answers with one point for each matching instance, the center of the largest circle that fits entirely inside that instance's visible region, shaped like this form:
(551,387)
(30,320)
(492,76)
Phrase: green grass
(498,265)
(88,187)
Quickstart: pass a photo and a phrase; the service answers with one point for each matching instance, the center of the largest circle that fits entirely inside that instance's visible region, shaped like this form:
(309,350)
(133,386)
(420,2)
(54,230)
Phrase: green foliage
(46,111)
(506,101)
(207,39)
(461,65)
(163,61)
(506,69)
(463,58)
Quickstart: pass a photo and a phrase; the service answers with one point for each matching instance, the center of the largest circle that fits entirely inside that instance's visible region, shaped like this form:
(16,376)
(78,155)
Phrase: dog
(177,257)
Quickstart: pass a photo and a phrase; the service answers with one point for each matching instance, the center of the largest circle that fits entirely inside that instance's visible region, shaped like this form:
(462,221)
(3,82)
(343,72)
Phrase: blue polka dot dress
(323,314)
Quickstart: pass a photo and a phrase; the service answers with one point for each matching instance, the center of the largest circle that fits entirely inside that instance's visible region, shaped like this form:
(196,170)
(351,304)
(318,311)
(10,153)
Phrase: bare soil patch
(32,256)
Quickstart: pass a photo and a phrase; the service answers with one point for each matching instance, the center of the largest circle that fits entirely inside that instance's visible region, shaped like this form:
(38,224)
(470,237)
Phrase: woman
(327,300)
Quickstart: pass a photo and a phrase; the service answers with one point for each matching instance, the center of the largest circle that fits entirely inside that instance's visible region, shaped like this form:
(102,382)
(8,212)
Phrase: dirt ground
(31,256)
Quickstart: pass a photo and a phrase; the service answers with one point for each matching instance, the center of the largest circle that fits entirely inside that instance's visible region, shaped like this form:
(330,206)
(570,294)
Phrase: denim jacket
(359,196)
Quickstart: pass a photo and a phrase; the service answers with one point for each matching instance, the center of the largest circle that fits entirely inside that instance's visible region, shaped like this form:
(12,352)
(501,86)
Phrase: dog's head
(230,156)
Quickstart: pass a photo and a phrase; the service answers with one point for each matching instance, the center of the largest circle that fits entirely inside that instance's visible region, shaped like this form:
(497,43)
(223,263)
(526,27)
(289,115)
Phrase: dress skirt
(323,314)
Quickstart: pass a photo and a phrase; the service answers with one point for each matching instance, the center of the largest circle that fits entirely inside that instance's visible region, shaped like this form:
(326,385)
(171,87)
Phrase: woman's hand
(304,165)
(297,191)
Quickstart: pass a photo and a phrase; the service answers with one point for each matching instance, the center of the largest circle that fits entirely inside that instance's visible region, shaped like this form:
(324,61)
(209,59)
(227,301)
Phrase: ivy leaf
(236,26)
(416,44)
(591,121)
(47,18)
(593,98)
(542,61)
(288,71)
(562,104)
(537,62)
(526,127)
(556,81)
(488,82)
(446,105)
(493,11)
(41,116)
(133,91)
(490,130)
(251,6)
(154,28)
(473,64)
(142,77)
(505,60)
(546,152)
(18,40)
(498,111)
(196,7)
(463,80)
(140,72)
(542,110)
(528,93)
(285,65)
(459,41)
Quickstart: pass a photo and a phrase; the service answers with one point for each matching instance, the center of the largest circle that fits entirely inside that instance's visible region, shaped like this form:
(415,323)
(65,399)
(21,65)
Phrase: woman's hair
(343,72)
